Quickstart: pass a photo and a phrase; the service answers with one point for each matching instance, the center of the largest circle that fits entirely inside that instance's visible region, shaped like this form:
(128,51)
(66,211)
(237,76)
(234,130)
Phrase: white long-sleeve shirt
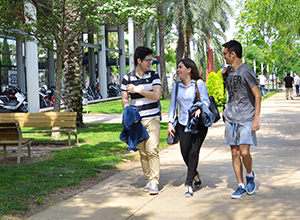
(185,98)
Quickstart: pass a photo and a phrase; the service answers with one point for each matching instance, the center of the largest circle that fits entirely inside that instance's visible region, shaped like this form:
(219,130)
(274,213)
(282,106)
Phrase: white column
(131,44)
(268,77)
(20,66)
(31,64)
(102,64)
(157,47)
(148,38)
(243,59)
(122,57)
(254,66)
(262,68)
(51,68)
(192,49)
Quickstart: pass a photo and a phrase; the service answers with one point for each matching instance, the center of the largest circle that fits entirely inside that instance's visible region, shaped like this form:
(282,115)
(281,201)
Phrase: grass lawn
(100,150)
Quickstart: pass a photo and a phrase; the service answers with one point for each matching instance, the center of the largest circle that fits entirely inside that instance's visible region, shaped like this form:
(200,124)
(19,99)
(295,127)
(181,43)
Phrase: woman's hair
(188,63)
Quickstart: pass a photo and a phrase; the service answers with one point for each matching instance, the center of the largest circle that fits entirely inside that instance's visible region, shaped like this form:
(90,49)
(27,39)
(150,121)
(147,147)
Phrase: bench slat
(46,119)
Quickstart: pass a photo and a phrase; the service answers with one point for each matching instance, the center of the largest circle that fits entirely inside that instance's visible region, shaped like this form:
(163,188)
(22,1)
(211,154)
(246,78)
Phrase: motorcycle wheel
(23,107)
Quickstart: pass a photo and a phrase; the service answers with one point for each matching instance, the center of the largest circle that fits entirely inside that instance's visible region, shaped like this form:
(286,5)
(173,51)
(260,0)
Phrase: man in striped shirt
(143,86)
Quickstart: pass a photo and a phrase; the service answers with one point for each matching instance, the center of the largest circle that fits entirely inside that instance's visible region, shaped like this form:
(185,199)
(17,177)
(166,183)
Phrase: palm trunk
(161,27)
(180,45)
(73,79)
(187,51)
(57,92)
(140,35)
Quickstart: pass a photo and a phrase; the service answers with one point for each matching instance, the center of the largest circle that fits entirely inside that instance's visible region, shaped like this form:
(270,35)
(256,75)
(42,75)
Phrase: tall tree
(60,21)
(193,19)
(273,26)
(161,28)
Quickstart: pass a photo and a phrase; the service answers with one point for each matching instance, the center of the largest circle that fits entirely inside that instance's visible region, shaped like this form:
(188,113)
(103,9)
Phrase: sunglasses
(148,60)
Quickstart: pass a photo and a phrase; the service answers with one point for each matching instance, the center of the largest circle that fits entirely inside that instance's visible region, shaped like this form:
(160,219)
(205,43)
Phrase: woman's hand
(171,129)
(197,113)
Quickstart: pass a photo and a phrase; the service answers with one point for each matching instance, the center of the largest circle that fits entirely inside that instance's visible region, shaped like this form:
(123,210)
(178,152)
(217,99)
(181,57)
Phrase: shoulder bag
(213,105)
(174,140)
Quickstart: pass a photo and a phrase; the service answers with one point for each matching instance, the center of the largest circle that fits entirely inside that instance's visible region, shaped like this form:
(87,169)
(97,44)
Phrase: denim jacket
(133,131)
(207,118)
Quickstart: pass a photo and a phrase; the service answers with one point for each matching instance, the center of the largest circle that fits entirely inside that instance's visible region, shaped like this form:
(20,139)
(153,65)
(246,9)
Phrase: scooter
(16,102)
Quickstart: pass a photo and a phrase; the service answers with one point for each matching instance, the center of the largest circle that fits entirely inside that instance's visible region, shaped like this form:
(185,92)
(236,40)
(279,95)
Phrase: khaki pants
(289,93)
(149,150)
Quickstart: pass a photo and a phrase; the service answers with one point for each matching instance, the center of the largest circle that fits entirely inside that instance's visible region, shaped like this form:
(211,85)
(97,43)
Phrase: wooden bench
(64,121)
(10,134)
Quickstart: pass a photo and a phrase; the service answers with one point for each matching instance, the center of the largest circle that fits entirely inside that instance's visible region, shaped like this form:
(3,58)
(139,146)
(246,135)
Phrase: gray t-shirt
(240,106)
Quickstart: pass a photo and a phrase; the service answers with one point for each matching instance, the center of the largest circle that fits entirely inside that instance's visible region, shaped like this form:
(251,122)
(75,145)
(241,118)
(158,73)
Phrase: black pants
(190,145)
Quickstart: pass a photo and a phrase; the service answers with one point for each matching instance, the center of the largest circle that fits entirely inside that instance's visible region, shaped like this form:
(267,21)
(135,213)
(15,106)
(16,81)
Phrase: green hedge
(215,87)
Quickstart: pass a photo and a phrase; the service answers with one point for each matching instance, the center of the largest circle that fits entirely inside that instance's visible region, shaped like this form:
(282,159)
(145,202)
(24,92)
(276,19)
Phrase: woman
(190,143)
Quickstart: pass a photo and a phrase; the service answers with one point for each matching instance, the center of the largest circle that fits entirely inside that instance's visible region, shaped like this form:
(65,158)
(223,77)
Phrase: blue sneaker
(251,184)
(240,191)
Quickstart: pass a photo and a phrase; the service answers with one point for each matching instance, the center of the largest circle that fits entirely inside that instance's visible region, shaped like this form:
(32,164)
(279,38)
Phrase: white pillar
(254,66)
(148,38)
(51,68)
(268,77)
(192,49)
(131,44)
(122,57)
(157,47)
(102,64)
(20,66)
(243,59)
(31,64)
(262,68)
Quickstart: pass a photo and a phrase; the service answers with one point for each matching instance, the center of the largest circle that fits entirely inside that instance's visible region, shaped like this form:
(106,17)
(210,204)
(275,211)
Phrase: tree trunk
(180,45)
(58,81)
(140,36)
(187,51)
(73,79)
(161,27)
(57,92)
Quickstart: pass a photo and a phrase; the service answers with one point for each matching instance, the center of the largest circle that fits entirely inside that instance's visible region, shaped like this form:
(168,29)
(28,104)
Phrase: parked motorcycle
(113,90)
(13,99)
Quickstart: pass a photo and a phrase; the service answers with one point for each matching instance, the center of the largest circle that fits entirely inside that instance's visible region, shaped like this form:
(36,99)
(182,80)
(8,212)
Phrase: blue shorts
(240,133)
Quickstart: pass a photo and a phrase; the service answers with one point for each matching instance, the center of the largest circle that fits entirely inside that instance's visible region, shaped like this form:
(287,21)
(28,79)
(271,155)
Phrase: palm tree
(193,19)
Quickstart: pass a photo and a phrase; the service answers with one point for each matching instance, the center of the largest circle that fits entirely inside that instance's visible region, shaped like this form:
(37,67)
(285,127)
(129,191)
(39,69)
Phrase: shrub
(215,87)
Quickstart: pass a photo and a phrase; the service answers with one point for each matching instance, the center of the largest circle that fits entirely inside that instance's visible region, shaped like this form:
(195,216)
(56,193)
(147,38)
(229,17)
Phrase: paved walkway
(275,161)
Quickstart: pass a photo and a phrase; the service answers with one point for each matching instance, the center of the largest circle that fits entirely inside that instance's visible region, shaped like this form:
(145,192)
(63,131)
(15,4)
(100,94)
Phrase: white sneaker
(153,189)
(147,187)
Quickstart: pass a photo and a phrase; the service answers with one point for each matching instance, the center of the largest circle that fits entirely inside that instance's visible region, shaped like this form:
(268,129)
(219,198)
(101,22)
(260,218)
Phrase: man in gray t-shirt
(241,115)
(240,106)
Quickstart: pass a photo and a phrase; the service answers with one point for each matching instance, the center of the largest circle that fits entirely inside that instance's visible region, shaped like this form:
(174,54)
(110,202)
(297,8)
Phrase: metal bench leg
(19,152)
(76,138)
(29,149)
(4,151)
(69,134)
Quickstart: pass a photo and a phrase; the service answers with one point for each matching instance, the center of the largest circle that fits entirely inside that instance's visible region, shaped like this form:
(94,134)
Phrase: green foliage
(215,87)
(5,53)
(251,53)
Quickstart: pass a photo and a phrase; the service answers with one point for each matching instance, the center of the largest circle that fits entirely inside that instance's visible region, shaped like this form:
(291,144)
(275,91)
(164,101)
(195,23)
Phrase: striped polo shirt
(148,108)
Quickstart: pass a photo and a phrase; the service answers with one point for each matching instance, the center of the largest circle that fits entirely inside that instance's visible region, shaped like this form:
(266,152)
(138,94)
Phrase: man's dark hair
(234,46)
(288,74)
(141,52)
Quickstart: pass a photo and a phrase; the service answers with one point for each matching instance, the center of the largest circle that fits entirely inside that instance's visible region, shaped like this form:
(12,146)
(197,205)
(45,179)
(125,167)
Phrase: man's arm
(257,95)
(125,98)
(155,94)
